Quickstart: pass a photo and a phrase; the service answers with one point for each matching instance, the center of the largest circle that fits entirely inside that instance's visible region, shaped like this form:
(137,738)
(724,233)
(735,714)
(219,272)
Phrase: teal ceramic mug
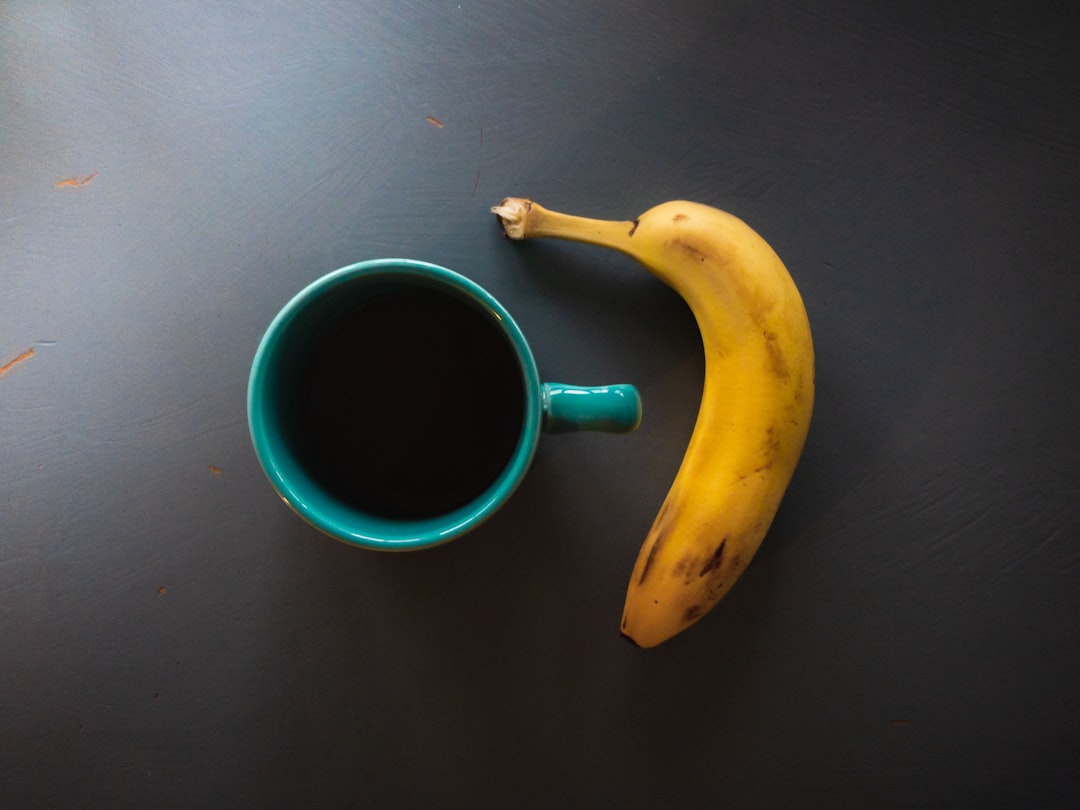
(395,404)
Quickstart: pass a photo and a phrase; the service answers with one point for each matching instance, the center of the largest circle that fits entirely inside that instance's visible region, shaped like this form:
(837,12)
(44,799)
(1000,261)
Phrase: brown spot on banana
(689,248)
(777,363)
(650,559)
(686,568)
(692,614)
(715,559)
(770,448)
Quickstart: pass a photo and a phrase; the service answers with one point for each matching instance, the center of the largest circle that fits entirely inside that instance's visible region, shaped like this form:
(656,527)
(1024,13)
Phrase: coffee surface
(412,405)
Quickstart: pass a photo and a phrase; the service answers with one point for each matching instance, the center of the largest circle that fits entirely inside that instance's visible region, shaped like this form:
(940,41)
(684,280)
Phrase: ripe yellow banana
(755,407)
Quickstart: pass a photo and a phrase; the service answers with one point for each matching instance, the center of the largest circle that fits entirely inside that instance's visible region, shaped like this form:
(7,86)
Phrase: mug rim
(346,523)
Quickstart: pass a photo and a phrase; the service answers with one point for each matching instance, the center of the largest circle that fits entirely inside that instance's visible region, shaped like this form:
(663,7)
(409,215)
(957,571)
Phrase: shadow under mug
(280,380)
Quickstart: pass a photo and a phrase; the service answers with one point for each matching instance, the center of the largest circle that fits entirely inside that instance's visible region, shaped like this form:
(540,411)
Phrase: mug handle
(605,408)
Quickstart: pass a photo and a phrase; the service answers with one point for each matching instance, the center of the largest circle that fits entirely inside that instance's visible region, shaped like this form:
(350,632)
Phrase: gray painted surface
(171,635)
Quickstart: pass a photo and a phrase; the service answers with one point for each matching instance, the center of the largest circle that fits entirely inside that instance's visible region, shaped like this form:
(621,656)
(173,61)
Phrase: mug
(395,404)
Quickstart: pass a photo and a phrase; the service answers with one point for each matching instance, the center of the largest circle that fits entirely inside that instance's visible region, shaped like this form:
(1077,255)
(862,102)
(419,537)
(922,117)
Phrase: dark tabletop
(173,636)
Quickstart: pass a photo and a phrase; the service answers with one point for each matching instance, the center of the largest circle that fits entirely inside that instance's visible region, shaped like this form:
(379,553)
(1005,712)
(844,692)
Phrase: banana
(755,407)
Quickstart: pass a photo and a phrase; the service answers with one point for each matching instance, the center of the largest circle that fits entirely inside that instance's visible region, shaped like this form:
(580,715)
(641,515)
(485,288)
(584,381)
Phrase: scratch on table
(22,358)
(435,122)
(77,182)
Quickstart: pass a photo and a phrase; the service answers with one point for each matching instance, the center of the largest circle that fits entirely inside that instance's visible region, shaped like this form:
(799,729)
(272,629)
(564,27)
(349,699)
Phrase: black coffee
(413,404)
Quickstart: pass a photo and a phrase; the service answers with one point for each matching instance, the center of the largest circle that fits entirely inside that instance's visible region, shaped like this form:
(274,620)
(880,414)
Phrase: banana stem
(525,219)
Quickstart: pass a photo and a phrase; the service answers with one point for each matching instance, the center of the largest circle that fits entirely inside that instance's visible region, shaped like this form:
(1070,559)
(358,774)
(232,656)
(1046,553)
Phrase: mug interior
(278,374)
